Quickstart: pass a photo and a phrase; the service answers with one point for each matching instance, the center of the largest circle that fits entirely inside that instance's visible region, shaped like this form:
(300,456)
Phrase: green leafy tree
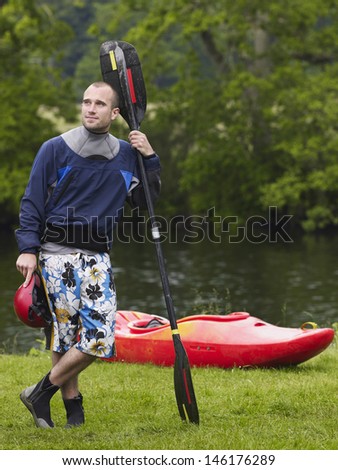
(245,95)
(30,41)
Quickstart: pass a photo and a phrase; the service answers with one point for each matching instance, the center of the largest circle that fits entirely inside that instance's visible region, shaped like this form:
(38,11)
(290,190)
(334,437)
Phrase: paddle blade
(119,57)
(184,390)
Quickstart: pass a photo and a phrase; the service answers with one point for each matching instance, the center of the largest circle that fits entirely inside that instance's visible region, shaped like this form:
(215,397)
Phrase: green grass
(133,407)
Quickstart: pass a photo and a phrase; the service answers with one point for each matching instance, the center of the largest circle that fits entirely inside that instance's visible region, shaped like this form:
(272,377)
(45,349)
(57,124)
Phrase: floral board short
(82,298)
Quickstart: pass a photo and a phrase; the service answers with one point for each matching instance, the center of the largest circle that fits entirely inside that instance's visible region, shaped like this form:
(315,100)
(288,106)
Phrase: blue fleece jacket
(78,186)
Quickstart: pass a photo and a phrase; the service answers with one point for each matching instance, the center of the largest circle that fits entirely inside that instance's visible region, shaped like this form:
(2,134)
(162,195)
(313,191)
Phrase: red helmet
(31,305)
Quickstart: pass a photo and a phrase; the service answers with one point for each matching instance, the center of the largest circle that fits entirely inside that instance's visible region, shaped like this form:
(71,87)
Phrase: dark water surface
(281,283)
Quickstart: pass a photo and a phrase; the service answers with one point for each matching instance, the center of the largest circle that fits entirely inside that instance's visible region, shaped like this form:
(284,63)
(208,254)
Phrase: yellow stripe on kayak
(112,60)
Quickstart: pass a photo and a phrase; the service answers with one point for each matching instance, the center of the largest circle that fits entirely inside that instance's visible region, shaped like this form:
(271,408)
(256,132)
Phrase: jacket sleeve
(153,171)
(32,207)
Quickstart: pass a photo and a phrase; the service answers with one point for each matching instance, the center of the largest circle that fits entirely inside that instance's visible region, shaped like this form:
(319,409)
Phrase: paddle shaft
(156,238)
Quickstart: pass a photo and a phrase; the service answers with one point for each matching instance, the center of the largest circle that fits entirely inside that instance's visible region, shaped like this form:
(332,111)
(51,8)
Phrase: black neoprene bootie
(75,411)
(36,398)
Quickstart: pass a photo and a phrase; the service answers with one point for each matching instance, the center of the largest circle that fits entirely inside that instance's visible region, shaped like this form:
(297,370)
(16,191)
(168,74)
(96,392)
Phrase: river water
(281,283)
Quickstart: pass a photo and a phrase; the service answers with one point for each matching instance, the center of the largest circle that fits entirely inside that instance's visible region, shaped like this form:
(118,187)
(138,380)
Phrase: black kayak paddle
(121,68)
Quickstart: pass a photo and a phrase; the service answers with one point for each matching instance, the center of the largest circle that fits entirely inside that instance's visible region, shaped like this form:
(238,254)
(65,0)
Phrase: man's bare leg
(69,389)
(68,367)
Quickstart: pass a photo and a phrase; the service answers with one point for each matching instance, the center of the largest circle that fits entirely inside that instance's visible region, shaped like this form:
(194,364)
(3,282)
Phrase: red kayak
(234,340)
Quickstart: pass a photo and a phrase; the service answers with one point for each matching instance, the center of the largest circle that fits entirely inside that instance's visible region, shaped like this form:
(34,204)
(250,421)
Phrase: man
(78,186)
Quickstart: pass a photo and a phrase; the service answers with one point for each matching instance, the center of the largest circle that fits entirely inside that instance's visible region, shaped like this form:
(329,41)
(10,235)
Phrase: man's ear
(114,113)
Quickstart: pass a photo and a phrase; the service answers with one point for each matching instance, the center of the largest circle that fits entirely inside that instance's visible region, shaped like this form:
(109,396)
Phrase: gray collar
(90,145)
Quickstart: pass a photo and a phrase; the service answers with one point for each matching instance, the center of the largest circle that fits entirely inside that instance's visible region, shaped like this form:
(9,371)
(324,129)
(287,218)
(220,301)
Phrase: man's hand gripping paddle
(121,68)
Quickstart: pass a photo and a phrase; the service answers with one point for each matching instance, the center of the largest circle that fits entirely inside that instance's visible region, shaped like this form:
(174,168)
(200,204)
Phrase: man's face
(98,108)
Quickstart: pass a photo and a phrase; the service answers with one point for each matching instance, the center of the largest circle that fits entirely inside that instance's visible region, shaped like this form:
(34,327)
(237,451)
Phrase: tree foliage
(242,96)
(30,41)
(246,94)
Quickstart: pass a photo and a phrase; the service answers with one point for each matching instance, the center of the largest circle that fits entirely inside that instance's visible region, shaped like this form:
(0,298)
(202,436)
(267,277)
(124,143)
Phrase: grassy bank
(133,407)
